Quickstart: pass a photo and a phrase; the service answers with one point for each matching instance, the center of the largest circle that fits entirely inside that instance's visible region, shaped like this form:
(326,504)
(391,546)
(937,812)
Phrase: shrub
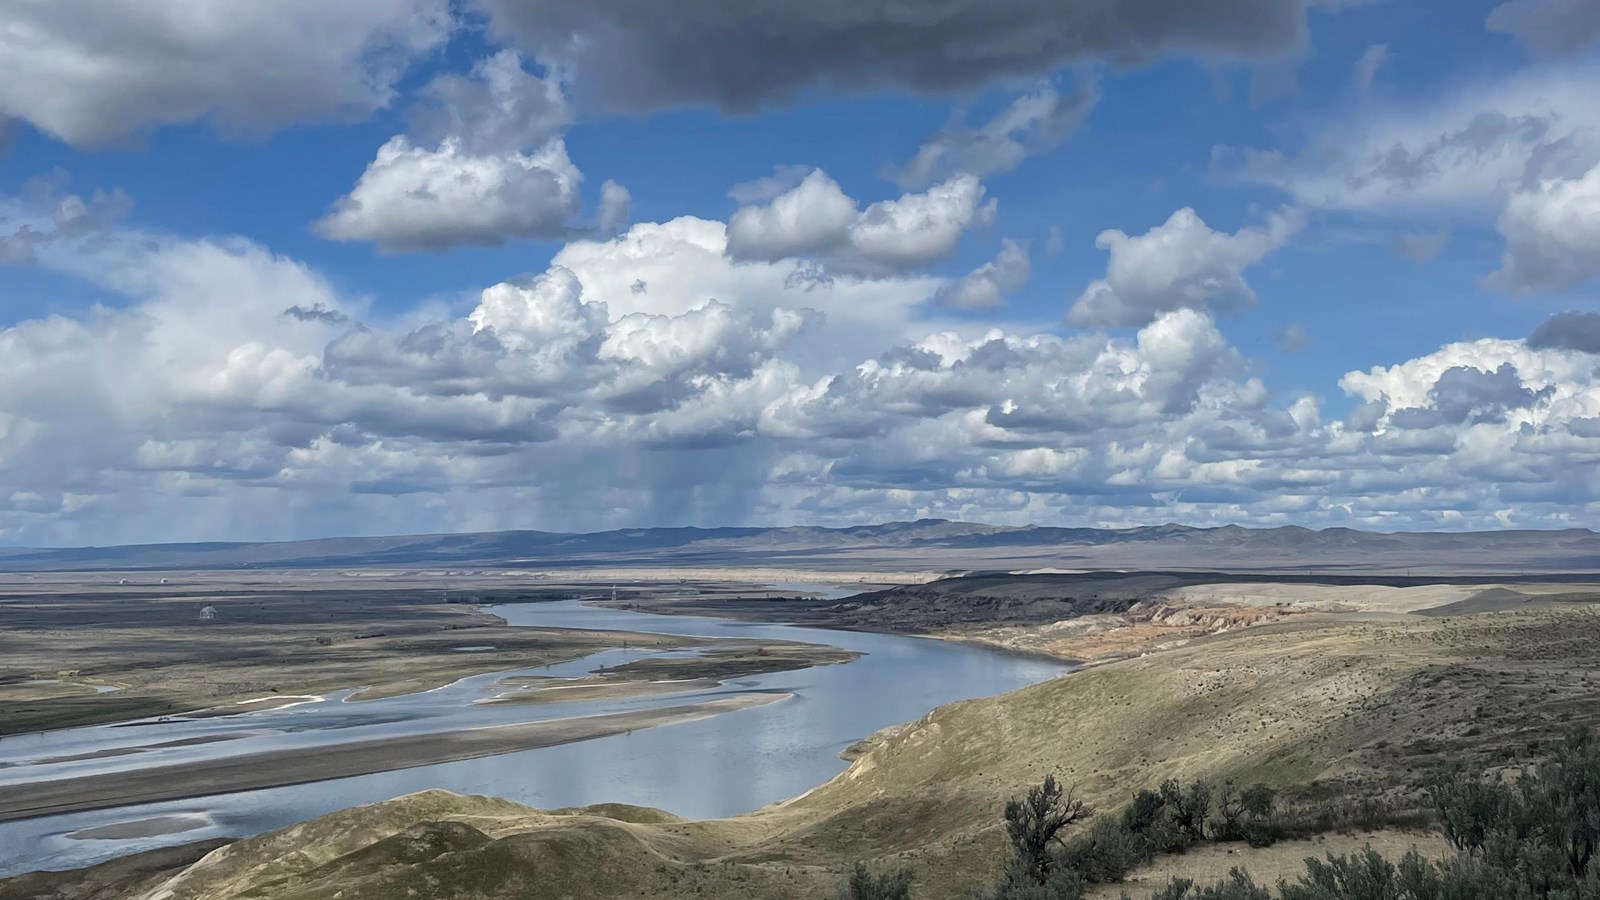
(1034,825)
(1107,853)
(865,885)
(1239,886)
(1017,882)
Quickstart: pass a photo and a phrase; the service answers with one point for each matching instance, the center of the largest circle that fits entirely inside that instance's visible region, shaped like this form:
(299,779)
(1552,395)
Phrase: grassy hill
(1341,716)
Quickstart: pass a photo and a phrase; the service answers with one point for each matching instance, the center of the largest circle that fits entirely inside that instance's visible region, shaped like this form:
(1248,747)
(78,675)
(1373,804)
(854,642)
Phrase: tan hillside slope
(1353,710)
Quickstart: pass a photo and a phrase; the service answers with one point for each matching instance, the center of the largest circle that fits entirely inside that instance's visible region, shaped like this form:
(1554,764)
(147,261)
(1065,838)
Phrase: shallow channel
(725,765)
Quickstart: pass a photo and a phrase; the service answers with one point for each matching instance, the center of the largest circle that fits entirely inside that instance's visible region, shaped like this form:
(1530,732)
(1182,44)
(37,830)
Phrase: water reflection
(725,765)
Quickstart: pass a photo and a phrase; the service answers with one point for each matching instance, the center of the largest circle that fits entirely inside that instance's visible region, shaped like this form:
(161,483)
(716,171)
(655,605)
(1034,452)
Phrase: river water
(725,765)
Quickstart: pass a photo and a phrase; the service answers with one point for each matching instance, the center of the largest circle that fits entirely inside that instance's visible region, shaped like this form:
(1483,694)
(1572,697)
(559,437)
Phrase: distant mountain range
(926,544)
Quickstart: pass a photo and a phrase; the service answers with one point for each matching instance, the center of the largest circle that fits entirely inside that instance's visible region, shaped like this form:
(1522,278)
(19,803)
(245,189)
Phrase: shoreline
(290,767)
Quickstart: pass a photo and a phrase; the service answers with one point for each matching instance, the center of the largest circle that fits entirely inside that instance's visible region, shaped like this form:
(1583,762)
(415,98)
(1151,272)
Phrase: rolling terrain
(1330,712)
(895,546)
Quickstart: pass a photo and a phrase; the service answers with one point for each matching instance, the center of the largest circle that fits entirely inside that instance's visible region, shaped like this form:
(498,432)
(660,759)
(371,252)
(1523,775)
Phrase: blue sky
(1302,194)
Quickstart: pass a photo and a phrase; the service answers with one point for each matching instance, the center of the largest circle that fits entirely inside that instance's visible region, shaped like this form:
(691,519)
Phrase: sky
(281,269)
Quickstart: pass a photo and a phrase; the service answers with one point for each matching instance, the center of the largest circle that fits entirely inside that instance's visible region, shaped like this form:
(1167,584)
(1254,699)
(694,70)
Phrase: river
(725,765)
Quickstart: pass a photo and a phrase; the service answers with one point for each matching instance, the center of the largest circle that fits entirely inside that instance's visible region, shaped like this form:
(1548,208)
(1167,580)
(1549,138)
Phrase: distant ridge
(924,544)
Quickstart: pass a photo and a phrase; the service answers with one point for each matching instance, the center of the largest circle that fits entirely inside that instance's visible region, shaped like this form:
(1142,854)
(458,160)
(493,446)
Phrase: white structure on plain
(613,593)
(207,613)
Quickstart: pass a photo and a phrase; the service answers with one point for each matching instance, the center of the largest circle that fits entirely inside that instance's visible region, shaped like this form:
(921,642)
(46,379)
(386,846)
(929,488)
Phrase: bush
(1019,883)
(1034,825)
(1106,854)
(1239,886)
(864,885)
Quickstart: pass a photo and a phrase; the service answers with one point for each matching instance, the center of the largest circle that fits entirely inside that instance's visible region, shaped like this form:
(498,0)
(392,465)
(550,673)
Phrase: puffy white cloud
(1552,232)
(92,72)
(815,219)
(616,208)
(1180,264)
(414,198)
(485,163)
(235,393)
(671,267)
(1031,124)
(812,218)
(760,190)
(986,286)
(1551,27)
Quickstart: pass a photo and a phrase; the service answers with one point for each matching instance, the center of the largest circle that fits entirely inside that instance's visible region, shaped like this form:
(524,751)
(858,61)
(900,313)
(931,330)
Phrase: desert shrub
(1258,800)
(1469,808)
(864,884)
(1536,839)
(1017,882)
(1239,886)
(1034,824)
(1172,818)
(1106,854)
(1190,806)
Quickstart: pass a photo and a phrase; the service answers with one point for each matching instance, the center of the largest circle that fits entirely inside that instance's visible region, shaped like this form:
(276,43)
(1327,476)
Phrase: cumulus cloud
(234,392)
(816,219)
(1552,232)
(1180,264)
(760,190)
(616,208)
(1549,27)
(986,286)
(1032,124)
(636,56)
(414,198)
(91,73)
(484,164)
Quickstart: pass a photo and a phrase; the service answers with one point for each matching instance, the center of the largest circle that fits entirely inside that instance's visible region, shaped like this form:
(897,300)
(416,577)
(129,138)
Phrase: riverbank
(91,649)
(1091,618)
(1334,713)
(657,675)
(265,770)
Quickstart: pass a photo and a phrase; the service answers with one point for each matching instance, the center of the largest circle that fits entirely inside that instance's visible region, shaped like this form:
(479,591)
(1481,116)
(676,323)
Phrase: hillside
(1329,712)
(919,545)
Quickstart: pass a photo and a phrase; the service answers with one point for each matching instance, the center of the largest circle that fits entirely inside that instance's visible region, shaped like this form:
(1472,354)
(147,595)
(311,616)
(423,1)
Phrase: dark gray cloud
(1568,331)
(316,312)
(643,54)
(1465,395)
(1549,27)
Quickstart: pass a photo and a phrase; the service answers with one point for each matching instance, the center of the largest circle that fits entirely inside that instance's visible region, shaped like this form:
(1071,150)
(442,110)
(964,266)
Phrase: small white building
(207,613)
